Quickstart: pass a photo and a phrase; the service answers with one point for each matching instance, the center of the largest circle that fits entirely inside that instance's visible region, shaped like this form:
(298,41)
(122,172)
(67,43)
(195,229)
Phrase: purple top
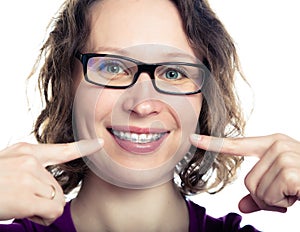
(199,221)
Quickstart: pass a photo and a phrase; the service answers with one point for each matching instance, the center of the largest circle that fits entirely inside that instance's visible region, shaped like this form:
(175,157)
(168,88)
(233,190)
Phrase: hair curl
(207,36)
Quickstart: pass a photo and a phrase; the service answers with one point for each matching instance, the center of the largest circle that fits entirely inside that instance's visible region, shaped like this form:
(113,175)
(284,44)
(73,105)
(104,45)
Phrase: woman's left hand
(274,181)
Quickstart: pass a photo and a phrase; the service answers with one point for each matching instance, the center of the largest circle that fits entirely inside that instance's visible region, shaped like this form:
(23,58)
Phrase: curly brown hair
(207,36)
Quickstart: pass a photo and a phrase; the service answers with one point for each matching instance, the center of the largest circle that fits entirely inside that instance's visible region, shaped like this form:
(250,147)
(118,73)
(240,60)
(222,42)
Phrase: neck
(105,207)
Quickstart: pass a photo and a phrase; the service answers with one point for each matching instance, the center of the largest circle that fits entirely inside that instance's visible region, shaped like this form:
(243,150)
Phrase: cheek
(190,110)
(105,103)
(196,103)
(91,107)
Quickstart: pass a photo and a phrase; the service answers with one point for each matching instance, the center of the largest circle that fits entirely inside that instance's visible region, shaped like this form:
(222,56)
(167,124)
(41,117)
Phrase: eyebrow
(181,55)
(114,50)
(164,55)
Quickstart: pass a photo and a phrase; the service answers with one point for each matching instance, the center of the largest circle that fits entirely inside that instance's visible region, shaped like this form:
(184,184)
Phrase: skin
(273,183)
(34,181)
(159,208)
(140,106)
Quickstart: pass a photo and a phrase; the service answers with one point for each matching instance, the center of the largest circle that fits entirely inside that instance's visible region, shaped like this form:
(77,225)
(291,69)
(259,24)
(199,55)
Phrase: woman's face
(142,129)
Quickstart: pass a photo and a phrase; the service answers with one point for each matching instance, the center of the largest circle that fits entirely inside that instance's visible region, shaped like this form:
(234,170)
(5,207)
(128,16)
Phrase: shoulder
(200,221)
(63,223)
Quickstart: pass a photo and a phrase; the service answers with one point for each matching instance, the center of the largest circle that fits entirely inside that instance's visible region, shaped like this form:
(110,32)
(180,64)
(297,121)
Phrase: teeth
(137,138)
(134,138)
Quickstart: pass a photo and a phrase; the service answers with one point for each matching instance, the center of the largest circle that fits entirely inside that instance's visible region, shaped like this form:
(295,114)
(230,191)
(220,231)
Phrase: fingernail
(100,141)
(196,138)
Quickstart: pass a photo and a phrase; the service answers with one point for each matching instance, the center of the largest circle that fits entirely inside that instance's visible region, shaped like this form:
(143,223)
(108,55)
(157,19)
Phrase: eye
(111,67)
(172,74)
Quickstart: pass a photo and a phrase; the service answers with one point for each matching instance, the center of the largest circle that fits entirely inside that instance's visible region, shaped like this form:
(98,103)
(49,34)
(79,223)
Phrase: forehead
(126,23)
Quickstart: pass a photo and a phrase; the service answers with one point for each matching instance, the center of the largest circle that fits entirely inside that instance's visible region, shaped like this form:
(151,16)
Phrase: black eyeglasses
(119,72)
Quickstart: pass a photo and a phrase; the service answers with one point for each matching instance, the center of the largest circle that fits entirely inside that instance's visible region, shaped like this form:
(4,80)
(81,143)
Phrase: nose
(142,99)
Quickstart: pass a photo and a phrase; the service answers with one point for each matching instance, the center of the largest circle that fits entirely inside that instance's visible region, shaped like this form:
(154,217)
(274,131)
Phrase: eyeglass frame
(142,68)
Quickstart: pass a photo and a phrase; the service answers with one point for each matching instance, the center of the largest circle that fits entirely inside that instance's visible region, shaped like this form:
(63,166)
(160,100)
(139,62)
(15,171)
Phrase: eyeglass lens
(169,77)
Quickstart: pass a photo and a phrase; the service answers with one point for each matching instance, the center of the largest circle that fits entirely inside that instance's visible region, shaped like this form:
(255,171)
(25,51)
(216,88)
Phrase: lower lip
(140,148)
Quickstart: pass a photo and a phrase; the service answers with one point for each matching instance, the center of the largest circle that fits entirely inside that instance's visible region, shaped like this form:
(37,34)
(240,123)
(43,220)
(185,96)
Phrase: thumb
(250,204)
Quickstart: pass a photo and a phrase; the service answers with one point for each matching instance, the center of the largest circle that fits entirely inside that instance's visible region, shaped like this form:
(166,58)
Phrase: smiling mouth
(137,138)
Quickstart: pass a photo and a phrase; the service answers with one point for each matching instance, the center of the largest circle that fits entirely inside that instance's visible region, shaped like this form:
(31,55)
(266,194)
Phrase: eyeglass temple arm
(79,56)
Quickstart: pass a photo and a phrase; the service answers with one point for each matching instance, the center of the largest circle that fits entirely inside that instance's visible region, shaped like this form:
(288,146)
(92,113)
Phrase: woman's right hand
(27,189)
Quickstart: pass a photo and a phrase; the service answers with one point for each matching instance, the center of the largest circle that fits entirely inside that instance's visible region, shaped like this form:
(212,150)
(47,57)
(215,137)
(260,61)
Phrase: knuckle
(284,160)
(290,177)
(23,148)
(28,162)
(280,146)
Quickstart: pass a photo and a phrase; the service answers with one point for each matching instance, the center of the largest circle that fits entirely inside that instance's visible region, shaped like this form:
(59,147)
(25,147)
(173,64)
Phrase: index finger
(246,146)
(51,154)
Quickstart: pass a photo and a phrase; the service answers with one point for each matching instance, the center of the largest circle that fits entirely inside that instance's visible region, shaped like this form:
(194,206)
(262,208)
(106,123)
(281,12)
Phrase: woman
(143,126)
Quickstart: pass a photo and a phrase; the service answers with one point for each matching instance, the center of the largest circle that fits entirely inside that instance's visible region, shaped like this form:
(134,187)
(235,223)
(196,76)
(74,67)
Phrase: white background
(267,37)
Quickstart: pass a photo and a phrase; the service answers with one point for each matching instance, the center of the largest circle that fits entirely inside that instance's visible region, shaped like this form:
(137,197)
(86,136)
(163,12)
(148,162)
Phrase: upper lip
(138,130)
